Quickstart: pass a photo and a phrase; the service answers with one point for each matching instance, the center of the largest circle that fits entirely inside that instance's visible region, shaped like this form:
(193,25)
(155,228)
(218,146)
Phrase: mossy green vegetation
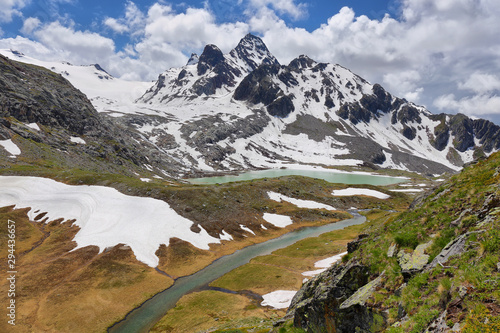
(462,291)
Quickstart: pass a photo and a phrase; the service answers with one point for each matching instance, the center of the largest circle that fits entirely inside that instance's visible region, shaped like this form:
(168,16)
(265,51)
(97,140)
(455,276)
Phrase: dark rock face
(317,306)
(257,87)
(409,132)
(301,62)
(281,107)
(462,128)
(488,134)
(441,132)
(464,131)
(32,94)
(368,106)
(355,113)
(380,100)
(406,114)
(211,57)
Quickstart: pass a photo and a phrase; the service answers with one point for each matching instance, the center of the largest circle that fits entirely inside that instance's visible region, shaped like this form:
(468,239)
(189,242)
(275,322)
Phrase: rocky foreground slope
(435,268)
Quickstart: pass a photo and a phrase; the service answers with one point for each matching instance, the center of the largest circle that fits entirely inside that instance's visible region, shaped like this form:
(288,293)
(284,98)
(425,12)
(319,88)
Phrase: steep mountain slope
(435,268)
(54,125)
(213,73)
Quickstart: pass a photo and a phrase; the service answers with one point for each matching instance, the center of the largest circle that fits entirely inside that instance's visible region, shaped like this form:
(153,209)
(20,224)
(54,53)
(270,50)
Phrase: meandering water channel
(150,312)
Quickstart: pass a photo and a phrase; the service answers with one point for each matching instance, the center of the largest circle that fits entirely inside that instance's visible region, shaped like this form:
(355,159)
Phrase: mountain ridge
(244,110)
(404,135)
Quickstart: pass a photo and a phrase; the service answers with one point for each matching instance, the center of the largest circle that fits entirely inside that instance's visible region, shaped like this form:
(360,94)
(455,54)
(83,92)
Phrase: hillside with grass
(433,268)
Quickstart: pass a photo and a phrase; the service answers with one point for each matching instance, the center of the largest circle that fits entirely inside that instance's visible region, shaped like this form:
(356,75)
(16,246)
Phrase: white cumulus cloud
(482,104)
(30,24)
(11,8)
(481,83)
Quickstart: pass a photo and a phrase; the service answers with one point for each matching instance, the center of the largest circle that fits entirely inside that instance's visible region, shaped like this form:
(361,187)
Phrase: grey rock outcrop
(414,262)
(334,301)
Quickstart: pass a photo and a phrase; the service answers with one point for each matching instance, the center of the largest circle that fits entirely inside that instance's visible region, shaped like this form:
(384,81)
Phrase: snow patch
(246,229)
(325,263)
(225,236)
(360,191)
(409,190)
(280,221)
(105,216)
(279,299)
(314,273)
(33,126)
(298,202)
(11,147)
(76,139)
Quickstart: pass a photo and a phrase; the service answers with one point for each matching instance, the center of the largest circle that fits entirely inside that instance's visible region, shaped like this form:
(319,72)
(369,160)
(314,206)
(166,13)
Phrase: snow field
(279,221)
(279,299)
(105,216)
(78,140)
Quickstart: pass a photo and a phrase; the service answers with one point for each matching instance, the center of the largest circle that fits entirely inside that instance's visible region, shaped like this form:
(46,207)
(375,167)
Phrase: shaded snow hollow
(105,216)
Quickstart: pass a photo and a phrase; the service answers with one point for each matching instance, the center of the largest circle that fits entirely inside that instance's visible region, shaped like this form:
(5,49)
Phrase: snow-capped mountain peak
(193,60)
(252,50)
(243,110)
(212,73)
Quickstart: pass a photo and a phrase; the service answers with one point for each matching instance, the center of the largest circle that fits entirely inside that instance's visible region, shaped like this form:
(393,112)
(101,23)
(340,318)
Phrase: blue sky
(90,14)
(444,54)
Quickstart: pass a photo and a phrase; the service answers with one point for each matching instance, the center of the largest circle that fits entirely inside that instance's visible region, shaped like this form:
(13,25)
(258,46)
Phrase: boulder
(414,262)
(335,301)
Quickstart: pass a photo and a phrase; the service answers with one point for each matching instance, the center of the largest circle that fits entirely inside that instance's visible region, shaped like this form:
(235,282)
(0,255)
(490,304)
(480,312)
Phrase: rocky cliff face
(211,73)
(56,124)
(35,95)
(413,271)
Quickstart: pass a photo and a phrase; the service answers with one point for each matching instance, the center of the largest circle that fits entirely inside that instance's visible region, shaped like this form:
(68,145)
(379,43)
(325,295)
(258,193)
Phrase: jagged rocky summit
(253,112)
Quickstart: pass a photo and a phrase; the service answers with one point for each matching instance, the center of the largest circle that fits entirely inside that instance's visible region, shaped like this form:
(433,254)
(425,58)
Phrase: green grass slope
(460,292)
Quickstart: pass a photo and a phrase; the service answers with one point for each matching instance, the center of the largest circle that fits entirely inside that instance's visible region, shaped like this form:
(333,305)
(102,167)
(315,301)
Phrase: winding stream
(150,312)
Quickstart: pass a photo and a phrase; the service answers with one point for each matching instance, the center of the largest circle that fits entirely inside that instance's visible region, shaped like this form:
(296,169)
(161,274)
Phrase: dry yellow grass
(79,291)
